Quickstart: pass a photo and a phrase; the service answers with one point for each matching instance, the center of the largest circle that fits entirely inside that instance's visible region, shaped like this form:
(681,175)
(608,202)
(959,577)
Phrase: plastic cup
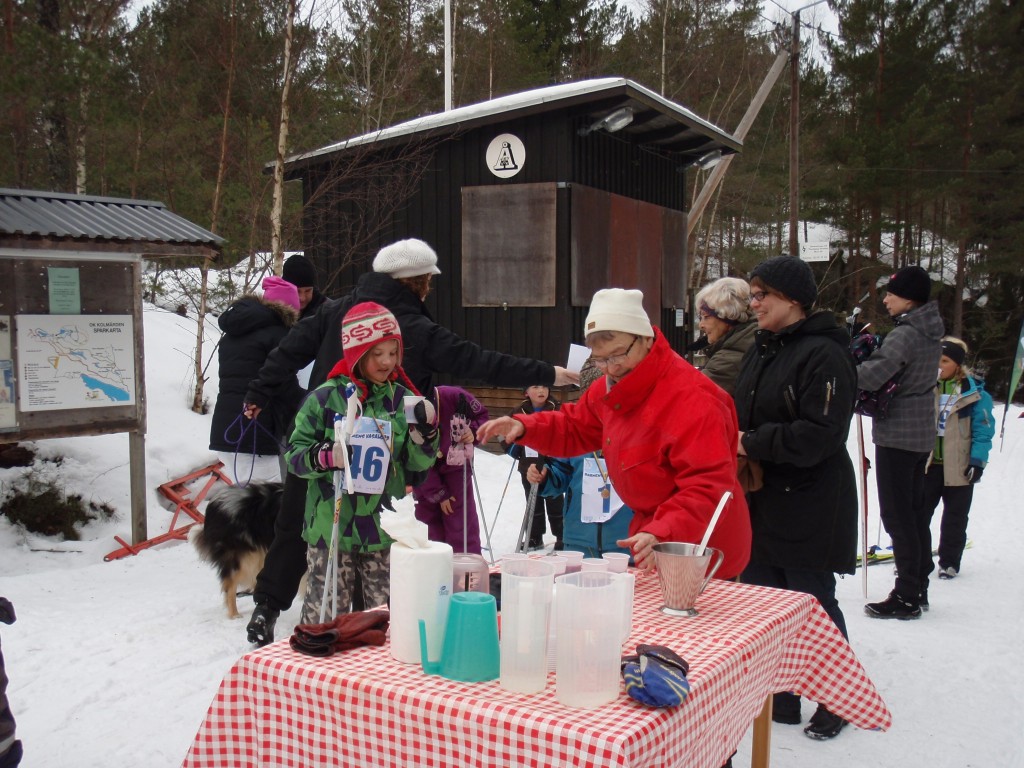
(593,564)
(525,611)
(573,560)
(589,620)
(618,562)
(558,562)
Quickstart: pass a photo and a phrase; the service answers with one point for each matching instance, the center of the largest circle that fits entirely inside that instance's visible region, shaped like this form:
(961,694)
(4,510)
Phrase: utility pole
(794,132)
(794,136)
(447,55)
(716,176)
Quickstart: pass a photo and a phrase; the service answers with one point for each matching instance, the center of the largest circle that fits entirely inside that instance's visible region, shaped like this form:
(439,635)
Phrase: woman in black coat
(794,399)
(252,327)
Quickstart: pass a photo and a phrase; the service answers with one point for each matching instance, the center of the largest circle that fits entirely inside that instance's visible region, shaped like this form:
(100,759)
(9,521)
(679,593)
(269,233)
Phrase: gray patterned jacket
(911,347)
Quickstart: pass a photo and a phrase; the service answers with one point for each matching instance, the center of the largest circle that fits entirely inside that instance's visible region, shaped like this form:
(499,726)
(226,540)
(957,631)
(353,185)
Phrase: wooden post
(137,473)
(761,745)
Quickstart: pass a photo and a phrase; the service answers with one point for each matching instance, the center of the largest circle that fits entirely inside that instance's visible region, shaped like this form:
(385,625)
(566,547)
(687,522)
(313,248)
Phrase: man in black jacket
(400,280)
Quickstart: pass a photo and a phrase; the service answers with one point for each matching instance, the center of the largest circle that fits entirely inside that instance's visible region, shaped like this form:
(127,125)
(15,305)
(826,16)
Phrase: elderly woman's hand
(506,427)
(642,547)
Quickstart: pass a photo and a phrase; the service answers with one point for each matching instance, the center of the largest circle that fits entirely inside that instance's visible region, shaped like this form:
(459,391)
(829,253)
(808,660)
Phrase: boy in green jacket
(384,450)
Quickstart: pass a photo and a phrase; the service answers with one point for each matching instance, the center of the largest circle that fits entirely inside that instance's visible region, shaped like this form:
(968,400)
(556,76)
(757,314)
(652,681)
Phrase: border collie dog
(239,530)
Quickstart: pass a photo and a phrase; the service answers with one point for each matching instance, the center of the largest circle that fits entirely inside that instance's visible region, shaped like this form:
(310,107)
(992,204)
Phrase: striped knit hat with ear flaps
(363,327)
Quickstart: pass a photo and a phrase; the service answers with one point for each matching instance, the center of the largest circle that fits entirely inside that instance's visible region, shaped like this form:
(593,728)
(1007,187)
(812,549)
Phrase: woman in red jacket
(668,434)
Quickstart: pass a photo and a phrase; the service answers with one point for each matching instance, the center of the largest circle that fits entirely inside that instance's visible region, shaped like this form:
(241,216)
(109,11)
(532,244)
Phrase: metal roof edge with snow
(33,213)
(531,102)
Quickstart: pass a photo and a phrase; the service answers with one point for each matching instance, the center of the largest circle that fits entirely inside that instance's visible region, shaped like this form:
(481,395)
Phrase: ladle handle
(714,568)
(714,521)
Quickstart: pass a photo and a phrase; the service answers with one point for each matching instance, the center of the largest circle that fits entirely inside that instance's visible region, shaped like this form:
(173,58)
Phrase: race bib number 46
(371,455)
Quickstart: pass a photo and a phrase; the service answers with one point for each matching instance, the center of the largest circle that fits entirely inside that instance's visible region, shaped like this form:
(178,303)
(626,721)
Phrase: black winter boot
(824,724)
(894,607)
(261,625)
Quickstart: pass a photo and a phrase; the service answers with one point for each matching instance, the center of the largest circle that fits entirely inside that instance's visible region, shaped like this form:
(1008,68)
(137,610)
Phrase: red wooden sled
(179,492)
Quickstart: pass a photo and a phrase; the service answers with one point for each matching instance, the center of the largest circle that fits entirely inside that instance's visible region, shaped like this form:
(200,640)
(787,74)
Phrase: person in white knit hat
(400,281)
(668,434)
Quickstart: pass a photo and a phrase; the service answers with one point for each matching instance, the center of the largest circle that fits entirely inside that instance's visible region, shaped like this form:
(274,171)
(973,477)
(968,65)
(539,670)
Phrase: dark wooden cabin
(533,202)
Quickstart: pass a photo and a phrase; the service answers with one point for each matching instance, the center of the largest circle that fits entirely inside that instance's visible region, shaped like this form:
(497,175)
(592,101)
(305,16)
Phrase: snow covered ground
(115,664)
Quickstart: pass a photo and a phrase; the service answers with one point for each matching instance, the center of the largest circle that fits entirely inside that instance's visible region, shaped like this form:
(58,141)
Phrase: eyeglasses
(604,362)
(759,295)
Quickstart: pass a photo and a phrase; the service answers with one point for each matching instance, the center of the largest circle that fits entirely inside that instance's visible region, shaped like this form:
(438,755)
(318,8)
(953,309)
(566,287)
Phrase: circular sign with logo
(506,155)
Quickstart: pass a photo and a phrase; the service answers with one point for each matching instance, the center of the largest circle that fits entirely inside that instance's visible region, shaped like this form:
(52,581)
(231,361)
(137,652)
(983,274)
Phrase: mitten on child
(328,455)
(424,430)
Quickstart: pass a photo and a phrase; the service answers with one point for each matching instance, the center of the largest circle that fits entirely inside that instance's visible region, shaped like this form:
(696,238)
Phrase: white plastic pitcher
(589,616)
(525,610)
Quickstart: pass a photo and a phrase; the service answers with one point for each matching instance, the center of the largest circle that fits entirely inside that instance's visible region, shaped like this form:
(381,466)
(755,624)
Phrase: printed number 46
(367,463)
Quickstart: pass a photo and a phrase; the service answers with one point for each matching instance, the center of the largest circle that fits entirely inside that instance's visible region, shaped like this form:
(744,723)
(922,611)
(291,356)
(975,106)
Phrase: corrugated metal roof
(56,214)
(657,121)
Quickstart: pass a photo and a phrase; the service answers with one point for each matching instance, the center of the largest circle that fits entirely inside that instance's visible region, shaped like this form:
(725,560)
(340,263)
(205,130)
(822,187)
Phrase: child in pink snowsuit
(439,498)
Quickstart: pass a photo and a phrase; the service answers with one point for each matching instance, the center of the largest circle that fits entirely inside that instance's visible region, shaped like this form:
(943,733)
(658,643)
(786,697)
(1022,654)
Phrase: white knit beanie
(406,258)
(618,309)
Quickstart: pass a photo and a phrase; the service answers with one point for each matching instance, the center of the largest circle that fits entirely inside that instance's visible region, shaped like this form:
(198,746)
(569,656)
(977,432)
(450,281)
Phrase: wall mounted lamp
(612,122)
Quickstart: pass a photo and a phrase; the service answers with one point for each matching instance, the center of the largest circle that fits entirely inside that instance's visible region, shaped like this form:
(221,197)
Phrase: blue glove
(973,474)
(656,676)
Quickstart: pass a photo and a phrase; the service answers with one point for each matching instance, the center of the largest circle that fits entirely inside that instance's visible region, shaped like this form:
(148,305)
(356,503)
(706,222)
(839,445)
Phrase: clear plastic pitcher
(683,574)
(470,573)
(589,614)
(525,612)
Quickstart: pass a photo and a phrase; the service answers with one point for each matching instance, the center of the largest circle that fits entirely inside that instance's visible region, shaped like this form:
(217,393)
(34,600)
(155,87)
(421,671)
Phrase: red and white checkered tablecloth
(362,708)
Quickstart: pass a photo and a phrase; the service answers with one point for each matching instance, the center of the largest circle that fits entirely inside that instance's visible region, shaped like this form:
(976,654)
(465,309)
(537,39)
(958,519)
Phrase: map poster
(67,362)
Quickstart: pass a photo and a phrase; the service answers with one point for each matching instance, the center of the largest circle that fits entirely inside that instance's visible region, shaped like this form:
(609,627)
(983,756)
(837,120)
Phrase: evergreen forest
(910,114)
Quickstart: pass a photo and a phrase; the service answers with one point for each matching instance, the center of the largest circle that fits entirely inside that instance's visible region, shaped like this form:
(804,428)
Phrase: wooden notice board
(71,344)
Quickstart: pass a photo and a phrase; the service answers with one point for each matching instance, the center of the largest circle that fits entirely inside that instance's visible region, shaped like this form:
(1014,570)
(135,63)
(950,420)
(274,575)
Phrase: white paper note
(578,355)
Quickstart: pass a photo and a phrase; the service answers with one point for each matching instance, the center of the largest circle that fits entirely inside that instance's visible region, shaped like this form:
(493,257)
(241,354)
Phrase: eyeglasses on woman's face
(759,296)
(604,362)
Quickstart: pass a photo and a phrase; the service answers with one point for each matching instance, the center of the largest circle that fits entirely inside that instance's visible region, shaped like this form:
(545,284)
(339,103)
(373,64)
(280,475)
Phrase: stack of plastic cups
(573,560)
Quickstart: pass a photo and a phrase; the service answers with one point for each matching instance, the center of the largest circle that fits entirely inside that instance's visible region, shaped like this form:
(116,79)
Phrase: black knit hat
(299,271)
(953,351)
(789,276)
(911,283)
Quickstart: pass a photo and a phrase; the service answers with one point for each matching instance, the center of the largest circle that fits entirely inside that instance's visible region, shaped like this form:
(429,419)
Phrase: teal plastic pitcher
(469,652)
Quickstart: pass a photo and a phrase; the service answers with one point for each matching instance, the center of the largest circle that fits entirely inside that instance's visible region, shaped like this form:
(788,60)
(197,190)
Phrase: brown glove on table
(350,630)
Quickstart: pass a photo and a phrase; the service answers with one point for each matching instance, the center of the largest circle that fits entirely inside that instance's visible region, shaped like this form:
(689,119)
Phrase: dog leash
(245,426)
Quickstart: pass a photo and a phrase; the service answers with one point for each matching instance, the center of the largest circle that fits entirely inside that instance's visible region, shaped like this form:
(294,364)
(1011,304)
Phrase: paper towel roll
(421,585)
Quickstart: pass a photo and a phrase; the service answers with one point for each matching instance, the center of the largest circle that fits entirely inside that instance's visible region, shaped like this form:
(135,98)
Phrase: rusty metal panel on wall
(590,242)
(635,259)
(509,245)
(674,266)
